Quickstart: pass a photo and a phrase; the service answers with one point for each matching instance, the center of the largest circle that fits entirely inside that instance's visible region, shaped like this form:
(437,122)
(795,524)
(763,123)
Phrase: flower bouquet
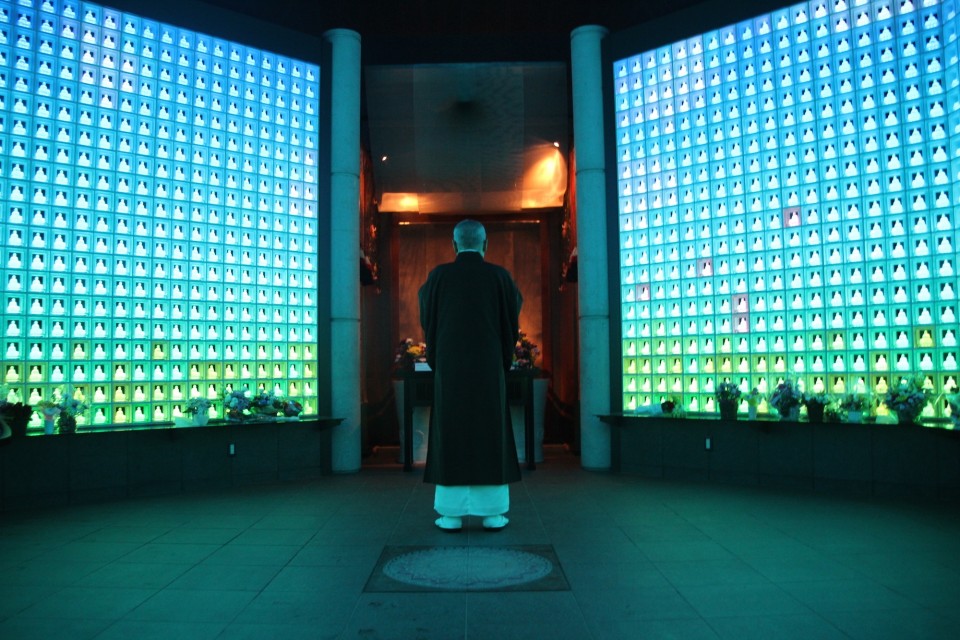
(199,408)
(853,405)
(65,409)
(672,408)
(908,399)
(727,395)
(291,408)
(265,403)
(786,399)
(236,404)
(816,404)
(409,353)
(525,353)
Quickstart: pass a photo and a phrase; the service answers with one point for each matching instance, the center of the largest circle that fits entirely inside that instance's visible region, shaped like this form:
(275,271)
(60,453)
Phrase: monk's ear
(456,249)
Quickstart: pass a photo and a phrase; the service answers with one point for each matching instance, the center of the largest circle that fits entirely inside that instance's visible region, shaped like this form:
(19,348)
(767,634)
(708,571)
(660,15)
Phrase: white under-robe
(480,500)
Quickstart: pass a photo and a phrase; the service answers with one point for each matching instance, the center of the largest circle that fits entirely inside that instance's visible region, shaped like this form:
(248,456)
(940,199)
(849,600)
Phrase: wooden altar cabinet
(418,391)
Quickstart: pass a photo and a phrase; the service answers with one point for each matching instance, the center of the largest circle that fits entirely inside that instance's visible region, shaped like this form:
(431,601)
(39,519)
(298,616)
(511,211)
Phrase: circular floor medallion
(467,568)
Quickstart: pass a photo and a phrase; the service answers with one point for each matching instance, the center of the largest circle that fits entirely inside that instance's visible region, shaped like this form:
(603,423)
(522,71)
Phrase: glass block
(110,155)
(853,267)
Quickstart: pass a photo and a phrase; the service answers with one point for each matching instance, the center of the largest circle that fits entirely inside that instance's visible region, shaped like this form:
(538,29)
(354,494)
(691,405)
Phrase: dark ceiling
(466,104)
(416,31)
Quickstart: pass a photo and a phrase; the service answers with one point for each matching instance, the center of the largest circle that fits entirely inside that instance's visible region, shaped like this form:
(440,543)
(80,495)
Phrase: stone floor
(641,559)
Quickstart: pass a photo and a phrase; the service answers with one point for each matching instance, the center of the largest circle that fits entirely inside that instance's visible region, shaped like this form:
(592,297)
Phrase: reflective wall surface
(157,212)
(787,203)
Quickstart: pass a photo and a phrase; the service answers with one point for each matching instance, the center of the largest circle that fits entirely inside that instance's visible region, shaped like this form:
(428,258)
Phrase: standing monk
(469,311)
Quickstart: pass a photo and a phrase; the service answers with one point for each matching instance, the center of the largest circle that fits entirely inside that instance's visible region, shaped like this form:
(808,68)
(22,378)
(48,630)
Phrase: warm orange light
(545,177)
(400,202)
(542,185)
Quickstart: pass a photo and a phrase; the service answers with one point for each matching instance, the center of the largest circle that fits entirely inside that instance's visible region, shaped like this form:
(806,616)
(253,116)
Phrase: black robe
(469,311)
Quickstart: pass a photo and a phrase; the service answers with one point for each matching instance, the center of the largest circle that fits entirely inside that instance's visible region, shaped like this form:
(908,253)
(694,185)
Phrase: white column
(587,79)
(345,245)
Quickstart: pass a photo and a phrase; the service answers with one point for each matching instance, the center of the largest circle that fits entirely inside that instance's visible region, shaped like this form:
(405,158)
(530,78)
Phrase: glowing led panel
(787,203)
(158,213)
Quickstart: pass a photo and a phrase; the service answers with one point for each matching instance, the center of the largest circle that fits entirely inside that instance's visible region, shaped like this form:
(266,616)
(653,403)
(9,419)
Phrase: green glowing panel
(787,202)
(158,216)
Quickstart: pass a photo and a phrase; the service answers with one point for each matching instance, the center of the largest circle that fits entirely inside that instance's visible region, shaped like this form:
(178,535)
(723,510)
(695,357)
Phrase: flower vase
(66,424)
(201,418)
(792,415)
(907,416)
(815,412)
(752,412)
(728,410)
(49,420)
(855,416)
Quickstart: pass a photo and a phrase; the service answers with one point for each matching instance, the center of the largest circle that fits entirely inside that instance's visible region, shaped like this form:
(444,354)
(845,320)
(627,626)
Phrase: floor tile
(46,628)
(192,605)
(733,600)
(642,603)
(587,576)
(172,553)
(846,595)
(88,603)
(914,624)
(642,559)
(138,575)
(695,628)
(391,616)
(252,555)
(686,573)
(161,630)
(311,578)
(221,577)
(286,631)
(801,626)
(328,606)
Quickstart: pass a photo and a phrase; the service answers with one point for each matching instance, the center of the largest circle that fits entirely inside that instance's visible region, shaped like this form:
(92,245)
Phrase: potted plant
(908,399)
(786,399)
(816,404)
(199,408)
(13,412)
(852,407)
(953,402)
(727,395)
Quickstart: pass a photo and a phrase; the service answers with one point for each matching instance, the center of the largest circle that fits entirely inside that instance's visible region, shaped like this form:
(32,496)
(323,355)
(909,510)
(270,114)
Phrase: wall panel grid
(787,203)
(158,213)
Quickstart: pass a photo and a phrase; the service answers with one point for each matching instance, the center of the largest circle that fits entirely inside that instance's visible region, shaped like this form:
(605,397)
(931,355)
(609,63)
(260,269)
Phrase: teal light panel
(788,203)
(158,216)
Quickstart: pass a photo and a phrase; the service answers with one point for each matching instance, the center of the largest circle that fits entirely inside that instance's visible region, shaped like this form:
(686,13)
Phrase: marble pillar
(594,312)
(344,70)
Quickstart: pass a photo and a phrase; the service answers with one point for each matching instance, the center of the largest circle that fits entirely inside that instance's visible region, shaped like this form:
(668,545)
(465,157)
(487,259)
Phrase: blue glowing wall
(158,216)
(787,202)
